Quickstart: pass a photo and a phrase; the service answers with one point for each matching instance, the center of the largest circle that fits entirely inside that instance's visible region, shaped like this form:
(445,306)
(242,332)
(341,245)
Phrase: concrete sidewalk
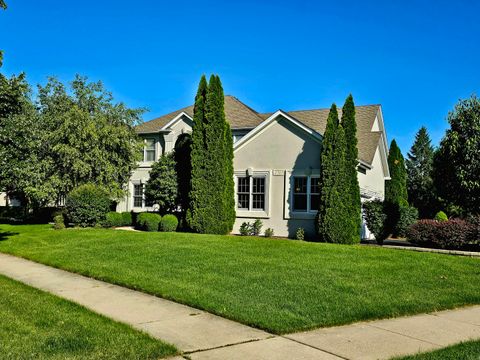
(205,336)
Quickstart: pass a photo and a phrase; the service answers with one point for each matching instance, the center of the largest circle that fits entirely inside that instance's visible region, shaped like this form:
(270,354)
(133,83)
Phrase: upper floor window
(149,153)
(306,193)
(251,191)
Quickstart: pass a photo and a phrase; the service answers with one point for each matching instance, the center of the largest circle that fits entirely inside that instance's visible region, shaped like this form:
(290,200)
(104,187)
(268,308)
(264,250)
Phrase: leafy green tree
(332,218)
(457,161)
(351,161)
(396,187)
(14,95)
(162,186)
(24,166)
(92,139)
(211,205)
(421,193)
(71,137)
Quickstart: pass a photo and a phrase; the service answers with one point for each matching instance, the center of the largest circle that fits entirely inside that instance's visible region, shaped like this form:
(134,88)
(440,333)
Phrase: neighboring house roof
(241,116)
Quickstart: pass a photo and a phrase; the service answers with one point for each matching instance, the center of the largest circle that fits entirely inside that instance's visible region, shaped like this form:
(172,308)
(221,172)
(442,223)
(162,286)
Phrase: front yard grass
(469,350)
(278,285)
(37,325)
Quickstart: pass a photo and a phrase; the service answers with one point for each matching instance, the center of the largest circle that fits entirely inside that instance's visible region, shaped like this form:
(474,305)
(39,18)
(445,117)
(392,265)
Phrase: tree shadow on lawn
(5,235)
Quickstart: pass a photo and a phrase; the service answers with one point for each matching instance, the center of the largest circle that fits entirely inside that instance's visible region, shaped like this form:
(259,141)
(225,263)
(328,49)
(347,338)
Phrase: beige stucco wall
(279,151)
(373,182)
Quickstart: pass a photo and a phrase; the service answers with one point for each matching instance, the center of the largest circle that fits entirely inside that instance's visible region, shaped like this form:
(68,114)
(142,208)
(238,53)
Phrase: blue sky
(416,58)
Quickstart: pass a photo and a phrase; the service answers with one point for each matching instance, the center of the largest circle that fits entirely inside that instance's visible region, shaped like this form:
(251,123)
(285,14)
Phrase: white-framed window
(138,195)
(149,152)
(252,193)
(139,199)
(305,193)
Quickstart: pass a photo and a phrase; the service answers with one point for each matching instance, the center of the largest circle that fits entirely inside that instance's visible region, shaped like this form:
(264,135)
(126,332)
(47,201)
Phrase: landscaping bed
(274,284)
(37,325)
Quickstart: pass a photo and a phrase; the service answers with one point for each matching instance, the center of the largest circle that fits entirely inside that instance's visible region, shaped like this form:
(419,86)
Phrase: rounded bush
(169,223)
(126,218)
(59,222)
(148,221)
(113,219)
(300,234)
(269,232)
(87,205)
(441,216)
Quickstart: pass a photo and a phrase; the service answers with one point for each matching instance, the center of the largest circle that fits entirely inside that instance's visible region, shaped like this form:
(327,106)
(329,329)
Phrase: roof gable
(365,117)
(239,115)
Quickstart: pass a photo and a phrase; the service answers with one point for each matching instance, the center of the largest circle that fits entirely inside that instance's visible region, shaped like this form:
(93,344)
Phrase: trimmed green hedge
(127,218)
(169,223)
(116,219)
(148,221)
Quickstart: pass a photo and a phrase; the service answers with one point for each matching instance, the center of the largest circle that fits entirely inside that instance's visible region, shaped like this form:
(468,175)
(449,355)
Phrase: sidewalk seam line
(315,347)
(407,336)
(229,345)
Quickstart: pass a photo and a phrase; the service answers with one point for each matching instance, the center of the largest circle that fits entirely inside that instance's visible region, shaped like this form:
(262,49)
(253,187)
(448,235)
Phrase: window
(251,193)
(149,150)
(258,193)
(243,191)
(138,195)
(314,193)
(306,193)
(300,193)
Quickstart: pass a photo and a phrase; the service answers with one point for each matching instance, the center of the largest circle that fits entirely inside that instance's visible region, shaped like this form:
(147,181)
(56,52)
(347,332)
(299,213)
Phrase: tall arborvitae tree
(211,204)
(195,214)
(351,162)
(229,196)
(396,187)
(332,218)
(183,167)
(419,163)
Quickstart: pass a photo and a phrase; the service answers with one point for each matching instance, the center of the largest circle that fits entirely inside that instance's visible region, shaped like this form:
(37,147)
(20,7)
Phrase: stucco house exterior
(276,161)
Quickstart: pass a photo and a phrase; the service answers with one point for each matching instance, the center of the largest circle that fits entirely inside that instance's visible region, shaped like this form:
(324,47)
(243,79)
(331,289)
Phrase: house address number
(278,172)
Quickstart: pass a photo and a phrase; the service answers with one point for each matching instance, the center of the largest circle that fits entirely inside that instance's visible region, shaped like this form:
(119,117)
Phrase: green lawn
(37,325)
(465,351)
(278,285)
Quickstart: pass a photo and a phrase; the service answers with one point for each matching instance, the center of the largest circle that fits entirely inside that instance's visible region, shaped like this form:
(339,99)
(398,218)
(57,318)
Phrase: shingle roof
(241,116)
(364,116)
